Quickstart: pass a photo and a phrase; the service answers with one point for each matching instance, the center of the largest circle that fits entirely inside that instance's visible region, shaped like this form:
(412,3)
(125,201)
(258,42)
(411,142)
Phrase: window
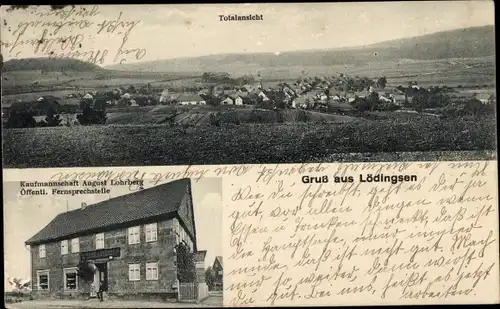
(151,232)
(99,241)
(152,271)
(75,245)
(134,235)
(70,279)
(41,251)
(43,279)
(134,272)
(64,247)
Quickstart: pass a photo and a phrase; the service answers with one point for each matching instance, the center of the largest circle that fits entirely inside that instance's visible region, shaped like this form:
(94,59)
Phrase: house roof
(399,97)
(363,93)
(484,96)
(189,98)
(151,203)
(239,94)
(219,258)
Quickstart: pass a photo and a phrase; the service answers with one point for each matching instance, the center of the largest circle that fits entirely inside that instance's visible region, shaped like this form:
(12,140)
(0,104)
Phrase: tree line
(91,113)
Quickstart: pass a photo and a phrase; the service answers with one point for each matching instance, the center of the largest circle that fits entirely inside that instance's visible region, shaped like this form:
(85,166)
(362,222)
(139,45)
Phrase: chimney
(84,205)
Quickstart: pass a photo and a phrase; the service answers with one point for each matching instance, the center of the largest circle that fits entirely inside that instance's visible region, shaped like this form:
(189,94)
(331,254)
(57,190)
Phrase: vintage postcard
(249,155)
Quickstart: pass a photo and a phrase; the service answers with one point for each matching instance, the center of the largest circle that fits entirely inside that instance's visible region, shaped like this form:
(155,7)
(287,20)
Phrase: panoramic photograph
(127,244)
(247,84)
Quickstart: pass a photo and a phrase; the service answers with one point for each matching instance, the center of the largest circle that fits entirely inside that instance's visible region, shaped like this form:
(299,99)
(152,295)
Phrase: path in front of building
(211,301)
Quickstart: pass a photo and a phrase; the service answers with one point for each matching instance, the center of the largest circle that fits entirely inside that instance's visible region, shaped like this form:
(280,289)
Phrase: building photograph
(152,244)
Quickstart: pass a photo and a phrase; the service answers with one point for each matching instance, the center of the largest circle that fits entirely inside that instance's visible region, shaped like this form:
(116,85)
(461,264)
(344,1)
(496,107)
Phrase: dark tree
(361,104)
(373,101)
(210,278)
(90,116)
(20,119)
(476,108)
(382,82)
(52,119)
(186,263)
(85,272)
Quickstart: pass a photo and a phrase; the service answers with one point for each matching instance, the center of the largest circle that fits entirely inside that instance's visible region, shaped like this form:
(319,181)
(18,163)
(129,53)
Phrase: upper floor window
(43,279)
(151,232)
(41,251)
(99,241)
(75,245)
(64,247)
(134,235)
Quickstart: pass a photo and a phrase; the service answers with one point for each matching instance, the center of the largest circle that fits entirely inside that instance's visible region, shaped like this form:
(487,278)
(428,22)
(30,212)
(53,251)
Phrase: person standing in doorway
(101,290)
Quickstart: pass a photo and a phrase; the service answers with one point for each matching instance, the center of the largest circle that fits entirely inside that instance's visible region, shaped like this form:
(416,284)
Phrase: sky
(173,31)
(24,216)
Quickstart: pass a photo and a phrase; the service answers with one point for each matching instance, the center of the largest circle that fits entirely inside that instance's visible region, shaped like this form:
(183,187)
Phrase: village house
(190,99)
(133,102)
(385,97)
(227,101)
(306,100)
(126,96)
(165,96)
(335,97)
(363,94)
(351,97)
(263,95)
(130,241)
(485,98)
(87,96)
(239,99)
(218,269)
(252,87)
(399,99)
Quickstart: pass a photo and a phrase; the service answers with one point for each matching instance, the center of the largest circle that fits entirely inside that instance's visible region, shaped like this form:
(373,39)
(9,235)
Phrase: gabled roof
(159,201)
(189,98)
(362,93)
(219,258)
(399,97)
(224,98)
(484,96)
(239,94)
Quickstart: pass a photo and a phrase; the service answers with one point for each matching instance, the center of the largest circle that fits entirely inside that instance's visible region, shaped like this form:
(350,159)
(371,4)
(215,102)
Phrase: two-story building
(130,239)
(218,269)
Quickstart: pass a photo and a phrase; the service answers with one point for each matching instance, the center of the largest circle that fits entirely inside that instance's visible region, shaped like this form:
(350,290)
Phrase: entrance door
(103,274)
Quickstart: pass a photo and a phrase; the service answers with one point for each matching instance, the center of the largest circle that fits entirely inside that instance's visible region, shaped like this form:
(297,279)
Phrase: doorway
(102,275)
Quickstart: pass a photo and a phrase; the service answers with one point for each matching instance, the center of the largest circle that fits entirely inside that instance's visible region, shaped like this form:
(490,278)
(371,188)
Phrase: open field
(117,145)
(200,115)
(17,83)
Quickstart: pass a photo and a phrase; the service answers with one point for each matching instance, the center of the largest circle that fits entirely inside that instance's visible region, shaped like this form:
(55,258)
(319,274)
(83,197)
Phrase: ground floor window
(42,279)
(70,279)
(134,272)
(152,271)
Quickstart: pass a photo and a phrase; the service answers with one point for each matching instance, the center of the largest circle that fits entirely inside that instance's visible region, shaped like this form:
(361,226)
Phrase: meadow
(323,141)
